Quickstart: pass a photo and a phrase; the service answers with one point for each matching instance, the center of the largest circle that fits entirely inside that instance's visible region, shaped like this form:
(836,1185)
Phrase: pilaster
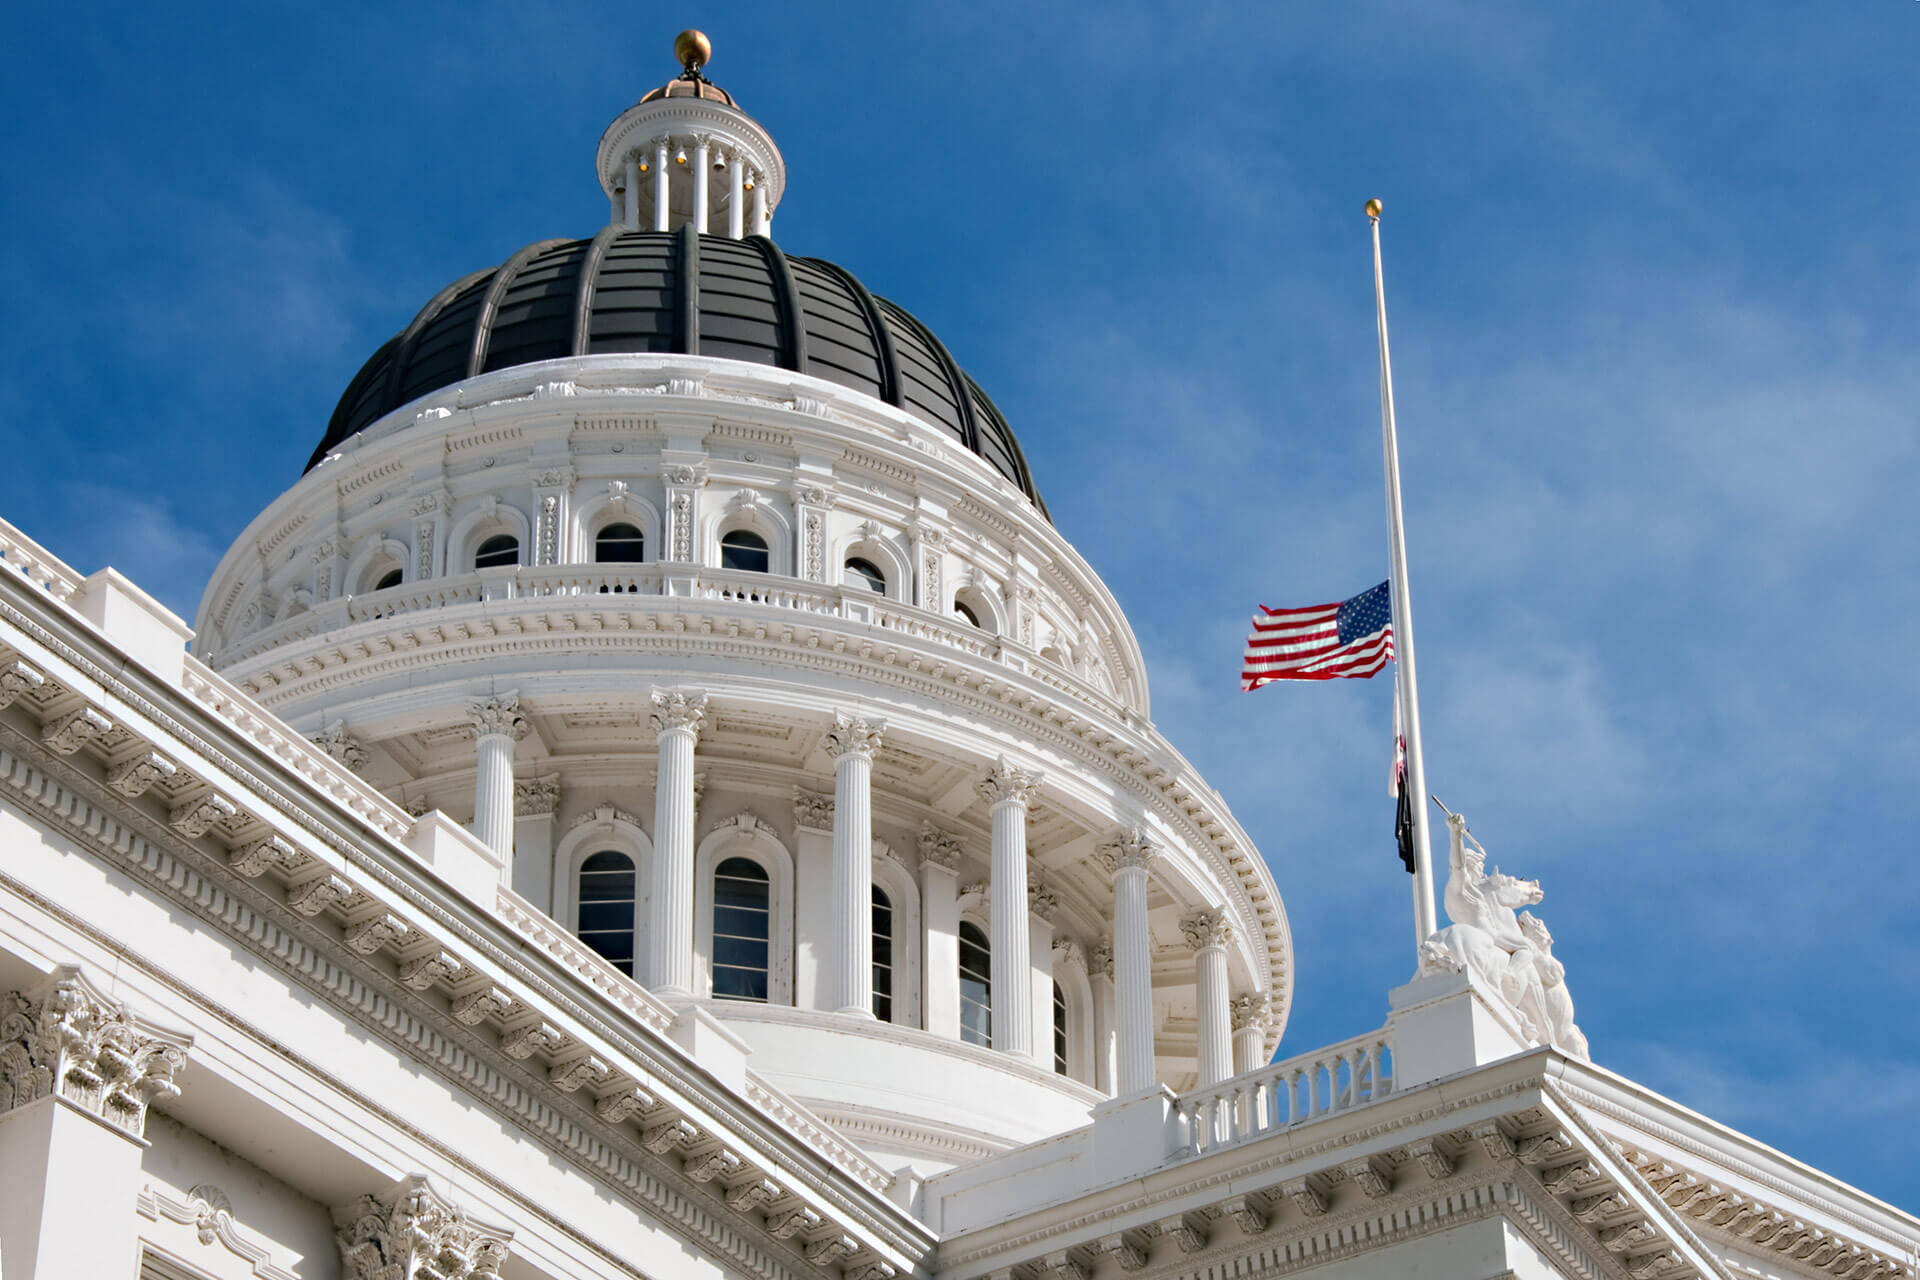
(534,803)
(940,925)
(812,899)
(676,719)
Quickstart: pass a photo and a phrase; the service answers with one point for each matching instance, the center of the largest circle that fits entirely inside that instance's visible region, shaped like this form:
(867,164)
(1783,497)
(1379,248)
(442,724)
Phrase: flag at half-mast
(1349,640)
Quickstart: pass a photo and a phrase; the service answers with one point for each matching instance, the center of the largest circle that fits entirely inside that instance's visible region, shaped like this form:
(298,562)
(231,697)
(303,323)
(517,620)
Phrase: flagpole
(1425,922)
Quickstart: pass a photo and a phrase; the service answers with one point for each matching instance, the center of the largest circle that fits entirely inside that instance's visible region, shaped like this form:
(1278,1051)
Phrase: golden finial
(693,49)
(1373,209)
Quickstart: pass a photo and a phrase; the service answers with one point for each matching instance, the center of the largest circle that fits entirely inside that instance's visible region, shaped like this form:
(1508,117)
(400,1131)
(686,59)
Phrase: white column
(676,718)
(496,725)
(1250,1016)
(1127,856)
(761,222)
(702,151)
(851,742)
(737,198)
(1042,905)
(940,925)
(631,210)
(1208,933)
(71,1162)
(533,804)
(1008,790)
(1100,978)
(813,901)
(662,186)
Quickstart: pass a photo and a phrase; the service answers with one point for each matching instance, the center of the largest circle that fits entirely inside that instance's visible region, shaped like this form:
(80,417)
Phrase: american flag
(1352,639)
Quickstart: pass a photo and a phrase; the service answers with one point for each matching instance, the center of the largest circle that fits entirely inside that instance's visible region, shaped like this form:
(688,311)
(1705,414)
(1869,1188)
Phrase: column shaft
(761,224)
(493,794)
(737,199)
(1132,981)
(701,186)
(1216,1046)
(632,206)
(676,718)
(852,742)
(1012,986)
(662,186)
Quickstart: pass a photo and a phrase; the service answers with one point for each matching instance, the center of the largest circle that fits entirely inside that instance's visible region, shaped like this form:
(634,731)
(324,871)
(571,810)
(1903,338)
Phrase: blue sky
(1654,291)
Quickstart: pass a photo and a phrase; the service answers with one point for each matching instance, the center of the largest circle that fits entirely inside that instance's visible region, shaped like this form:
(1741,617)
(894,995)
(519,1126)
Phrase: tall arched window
(742,899)
(500,549)
(619,544)
(1059,1029)
(746,550)
(882,955)
(976,985)
(863,573)
(607,886)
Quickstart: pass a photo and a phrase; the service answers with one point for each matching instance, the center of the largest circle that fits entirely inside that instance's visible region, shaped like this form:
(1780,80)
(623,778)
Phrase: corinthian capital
(678,709)
(70,1038)
(345,751)
(1251,1011)
(1206,928)
(413,1229)
(1128,847)
(498,716)
(1008,783)
(854,735)
(812,809)
(941,848)
(536,796)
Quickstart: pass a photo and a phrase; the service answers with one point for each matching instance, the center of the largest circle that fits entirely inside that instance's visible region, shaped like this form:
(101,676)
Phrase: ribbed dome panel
(646,291)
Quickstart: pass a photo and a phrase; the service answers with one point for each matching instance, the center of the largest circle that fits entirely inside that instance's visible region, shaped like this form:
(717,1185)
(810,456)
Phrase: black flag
(1403,824)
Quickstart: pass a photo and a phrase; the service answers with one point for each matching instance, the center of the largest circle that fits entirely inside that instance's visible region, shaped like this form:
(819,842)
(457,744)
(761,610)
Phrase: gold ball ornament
(693,49)
(1373,208)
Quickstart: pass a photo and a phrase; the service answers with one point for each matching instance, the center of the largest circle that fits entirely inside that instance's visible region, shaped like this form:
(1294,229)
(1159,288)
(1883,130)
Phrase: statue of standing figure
(1509,953)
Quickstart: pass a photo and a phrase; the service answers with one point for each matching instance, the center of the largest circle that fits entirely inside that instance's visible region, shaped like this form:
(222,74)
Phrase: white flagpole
(1425,922)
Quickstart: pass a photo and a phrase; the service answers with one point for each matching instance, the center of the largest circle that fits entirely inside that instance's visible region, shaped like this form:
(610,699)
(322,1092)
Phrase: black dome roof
(678,292)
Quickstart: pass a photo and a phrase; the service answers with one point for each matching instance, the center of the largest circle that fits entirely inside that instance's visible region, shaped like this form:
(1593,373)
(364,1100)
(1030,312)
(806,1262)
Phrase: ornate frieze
(1128,847)
(415,1233)
(939,848)
(1007,783)
(535,796)
(854,735)
(498,716)
(1207,928)
(812,809)
(677,709)
(345,751)
(71,1039)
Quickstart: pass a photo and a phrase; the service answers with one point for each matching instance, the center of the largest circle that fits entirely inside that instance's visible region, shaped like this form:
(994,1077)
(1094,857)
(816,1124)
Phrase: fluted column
(702,180)
(1008,790)
(662,186)
(737,198)
(1250,1015)
(496,725)
(676,718)
(1208,933)
(631,208)
(851,742)
(762,224)
(1128,855)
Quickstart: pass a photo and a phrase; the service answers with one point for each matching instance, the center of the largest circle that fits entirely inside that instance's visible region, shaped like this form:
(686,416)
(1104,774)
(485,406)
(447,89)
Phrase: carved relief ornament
(536,796)
(1007,783)
(345,751)
(854,735)
(69,1038)
(498,716)
(415,1231)
(939,848)
(812,809)
(1206,928)
(1128,848)
(677,709)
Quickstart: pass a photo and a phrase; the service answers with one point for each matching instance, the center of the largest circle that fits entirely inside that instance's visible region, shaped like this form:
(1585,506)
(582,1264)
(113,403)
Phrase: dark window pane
(863,573)
(973,619)
(739,922)
(602,916)
(500,549)
(882,955)
(391,578)
(744,550)
(741,927)
(740,953)
(1059,1029)
(976,989)
(740,984)
(619,544)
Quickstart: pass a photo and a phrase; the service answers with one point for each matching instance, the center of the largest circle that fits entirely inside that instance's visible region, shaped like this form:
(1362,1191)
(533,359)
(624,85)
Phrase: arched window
(863,573)
(607,887)
(882,955)
(391,578)
(1059,1029)
(500,549)
(745,550)
(619,544)
(742,899)
(960,607)
(976,985)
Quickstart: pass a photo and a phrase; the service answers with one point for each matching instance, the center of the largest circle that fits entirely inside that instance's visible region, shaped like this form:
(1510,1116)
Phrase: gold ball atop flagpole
(692,49)
(1373,208)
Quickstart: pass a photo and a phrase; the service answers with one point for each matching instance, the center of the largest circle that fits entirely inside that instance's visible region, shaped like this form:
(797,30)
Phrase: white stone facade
(578,916)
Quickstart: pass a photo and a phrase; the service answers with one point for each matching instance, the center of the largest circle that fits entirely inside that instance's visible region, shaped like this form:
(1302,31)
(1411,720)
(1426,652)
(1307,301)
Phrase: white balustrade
(1322,1083)
(36,564)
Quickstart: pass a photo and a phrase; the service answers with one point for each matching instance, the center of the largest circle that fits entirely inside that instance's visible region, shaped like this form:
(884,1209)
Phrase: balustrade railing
(1337,1078)
(36,564)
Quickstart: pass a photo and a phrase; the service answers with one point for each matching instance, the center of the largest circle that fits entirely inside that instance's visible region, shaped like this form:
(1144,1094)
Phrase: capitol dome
(628,291)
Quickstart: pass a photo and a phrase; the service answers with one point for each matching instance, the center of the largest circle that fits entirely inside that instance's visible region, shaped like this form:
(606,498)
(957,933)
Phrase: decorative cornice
(939,848)
(677,709)
(854,735)
(1007,783)
(1206,928)
(498,716)
(68,1037)
(412,1231)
